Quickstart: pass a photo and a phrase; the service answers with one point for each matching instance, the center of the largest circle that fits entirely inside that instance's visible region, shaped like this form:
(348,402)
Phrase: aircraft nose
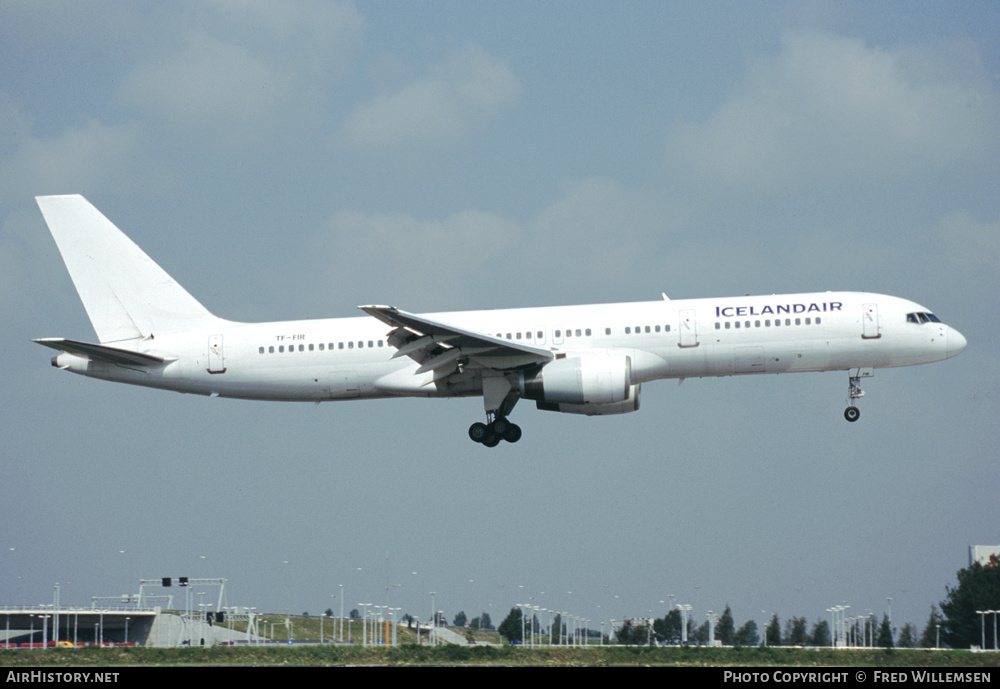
(956,342)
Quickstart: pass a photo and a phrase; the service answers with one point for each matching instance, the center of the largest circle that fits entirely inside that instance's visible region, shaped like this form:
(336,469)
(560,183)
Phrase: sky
(293,160)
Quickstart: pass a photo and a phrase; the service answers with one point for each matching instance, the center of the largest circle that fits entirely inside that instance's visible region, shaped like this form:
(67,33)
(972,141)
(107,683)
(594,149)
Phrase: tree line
(959,623)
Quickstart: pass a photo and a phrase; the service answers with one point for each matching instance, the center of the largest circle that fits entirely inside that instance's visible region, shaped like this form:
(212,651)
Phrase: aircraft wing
(98,352)
(438,346)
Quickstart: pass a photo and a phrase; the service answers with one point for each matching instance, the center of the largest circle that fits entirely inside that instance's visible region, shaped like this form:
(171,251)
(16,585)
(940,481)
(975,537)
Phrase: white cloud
(593,236)
(829,108)
(468,88)
(210,81)
(82,159)
(430,264)
(243,64)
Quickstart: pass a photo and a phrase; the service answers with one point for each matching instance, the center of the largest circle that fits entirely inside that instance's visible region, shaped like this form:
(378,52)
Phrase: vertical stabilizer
(126,294)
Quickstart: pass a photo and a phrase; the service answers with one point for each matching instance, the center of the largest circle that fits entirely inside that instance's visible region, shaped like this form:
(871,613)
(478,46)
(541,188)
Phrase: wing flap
(435,345)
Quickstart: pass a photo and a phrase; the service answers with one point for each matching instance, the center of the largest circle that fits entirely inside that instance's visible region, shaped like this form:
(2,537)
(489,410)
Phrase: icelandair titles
(776,309)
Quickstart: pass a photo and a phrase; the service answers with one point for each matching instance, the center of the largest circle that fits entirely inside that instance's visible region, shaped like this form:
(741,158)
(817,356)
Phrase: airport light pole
(685,609)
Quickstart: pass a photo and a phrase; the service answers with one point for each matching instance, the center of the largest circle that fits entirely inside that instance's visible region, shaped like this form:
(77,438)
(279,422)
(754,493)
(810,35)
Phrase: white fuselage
(349,358)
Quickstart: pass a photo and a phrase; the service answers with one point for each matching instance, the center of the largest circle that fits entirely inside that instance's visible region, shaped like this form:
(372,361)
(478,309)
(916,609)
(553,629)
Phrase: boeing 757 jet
(590,359)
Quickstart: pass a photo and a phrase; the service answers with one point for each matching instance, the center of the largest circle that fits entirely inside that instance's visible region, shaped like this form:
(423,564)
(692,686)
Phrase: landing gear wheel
(491,440)
(513,433)
(478,432)
(852,414)
(500,426)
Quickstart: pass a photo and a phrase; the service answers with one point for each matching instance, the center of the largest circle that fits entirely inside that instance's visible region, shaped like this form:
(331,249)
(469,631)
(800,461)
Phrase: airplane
(588,359)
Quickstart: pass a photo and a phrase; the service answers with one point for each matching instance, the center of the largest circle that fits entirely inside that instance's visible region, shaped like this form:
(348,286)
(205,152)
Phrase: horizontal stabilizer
(98,352)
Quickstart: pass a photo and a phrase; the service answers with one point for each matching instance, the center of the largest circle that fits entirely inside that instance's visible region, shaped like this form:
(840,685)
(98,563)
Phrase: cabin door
(688,328)
(216,359)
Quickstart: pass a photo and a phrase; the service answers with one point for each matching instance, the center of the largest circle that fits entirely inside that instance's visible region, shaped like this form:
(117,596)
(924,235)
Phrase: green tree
(821,634)
(701,634)
(510,628)
(461,619)
(884,636)
(747,635)
(929,639)
(795,632)
(908,636)
(556,630)
(624,633)
(725,629)
(773,632)
(978,589)
(667,629)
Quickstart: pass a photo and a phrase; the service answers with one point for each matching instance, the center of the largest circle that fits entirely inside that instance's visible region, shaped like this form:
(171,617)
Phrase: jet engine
(592,384)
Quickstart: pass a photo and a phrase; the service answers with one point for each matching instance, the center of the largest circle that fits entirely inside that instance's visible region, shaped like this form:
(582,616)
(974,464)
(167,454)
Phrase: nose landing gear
(854,392)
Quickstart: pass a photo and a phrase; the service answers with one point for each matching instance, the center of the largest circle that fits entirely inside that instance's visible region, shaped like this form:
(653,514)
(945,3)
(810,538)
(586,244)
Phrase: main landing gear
(499,398)
(492,433)
(854,392)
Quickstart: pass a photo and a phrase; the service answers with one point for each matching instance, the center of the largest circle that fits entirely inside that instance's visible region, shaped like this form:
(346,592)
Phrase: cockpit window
(922,317)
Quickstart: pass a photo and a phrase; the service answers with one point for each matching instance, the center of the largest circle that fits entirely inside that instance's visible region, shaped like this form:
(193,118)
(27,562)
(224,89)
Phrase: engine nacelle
(592,384)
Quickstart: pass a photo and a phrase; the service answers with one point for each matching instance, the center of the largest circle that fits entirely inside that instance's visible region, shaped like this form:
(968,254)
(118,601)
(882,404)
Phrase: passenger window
(607,331)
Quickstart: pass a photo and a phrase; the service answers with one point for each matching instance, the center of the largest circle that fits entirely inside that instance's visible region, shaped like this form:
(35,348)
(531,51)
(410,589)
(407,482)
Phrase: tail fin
(127,295)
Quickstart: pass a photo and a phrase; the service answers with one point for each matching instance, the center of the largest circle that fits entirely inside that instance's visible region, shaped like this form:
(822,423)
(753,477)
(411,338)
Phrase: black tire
(852,414)
(513,433)
(500,426)
(478,432)
(491,440)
